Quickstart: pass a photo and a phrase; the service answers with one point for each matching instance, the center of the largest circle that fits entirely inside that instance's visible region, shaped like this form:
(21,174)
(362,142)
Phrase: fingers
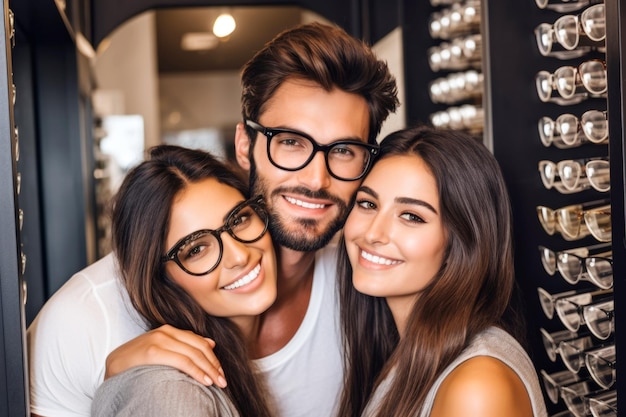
(167,345)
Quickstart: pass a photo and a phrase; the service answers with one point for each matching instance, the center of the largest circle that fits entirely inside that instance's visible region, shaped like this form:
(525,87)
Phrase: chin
(260,308)
(264,302)
(363,285)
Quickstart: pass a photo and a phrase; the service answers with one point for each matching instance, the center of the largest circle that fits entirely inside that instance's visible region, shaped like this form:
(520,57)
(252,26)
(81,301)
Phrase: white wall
(196,101)
(389,49)
(128,69)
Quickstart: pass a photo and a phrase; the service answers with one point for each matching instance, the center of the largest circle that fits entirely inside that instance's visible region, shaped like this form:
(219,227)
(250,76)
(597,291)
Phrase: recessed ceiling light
(224,25)
(199,41)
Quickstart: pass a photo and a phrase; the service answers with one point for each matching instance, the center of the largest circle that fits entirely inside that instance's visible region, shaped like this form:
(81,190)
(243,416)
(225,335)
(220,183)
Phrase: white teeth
(245,280)
(304,204)
(377,259)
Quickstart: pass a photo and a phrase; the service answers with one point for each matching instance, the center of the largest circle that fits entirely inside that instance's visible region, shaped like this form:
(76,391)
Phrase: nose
(315,175)
(236,254)
(377,231)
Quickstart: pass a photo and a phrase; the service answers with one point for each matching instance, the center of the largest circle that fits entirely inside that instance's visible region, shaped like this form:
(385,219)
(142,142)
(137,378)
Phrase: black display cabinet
(13,381)
(512,108)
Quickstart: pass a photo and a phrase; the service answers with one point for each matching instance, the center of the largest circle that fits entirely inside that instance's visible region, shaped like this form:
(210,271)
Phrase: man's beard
(298,240)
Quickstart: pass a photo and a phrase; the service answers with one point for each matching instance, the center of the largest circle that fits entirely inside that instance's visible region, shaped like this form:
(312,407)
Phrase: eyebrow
(401,200)
(353,138)
(230,211)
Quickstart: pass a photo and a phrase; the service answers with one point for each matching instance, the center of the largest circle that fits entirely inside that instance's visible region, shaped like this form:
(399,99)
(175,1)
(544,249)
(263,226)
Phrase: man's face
(307,206)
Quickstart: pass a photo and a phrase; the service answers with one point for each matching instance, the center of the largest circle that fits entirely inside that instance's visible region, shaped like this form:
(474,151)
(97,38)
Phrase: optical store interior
(89,85)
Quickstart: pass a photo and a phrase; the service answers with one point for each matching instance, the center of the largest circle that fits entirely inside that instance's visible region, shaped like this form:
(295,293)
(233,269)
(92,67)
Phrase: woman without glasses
(194,254)
(426,279)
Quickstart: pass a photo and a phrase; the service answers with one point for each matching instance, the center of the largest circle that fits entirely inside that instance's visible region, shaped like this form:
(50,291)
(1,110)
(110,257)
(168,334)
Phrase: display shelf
(512,108)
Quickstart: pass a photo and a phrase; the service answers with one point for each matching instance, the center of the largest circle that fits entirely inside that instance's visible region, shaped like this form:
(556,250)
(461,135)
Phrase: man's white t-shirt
(306,375)
(91,315)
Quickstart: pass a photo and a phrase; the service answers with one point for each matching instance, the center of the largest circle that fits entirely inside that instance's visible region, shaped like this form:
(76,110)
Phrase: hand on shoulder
(482,386)
(167,345)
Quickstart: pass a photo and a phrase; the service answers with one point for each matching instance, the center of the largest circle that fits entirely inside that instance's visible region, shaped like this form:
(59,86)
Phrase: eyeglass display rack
(456,61)
(512,110)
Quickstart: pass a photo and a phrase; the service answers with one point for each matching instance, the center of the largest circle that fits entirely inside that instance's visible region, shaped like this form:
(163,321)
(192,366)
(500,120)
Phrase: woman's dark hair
(326,55)
(140,223)
(471,291)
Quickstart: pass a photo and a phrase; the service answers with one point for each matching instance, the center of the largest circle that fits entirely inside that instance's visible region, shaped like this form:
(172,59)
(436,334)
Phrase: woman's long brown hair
(140,221)
(471,291)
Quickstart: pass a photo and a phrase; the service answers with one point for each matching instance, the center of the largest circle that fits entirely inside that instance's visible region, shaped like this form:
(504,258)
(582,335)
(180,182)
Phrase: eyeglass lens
(604,405)
(547,300)
(598,222)
(551,341)
(595,125)
(572,352)
(554,381)
(575,396)
(601,365)
(599,319)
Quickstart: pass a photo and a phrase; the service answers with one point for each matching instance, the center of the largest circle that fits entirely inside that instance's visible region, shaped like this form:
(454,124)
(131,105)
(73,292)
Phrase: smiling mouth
(304,204)
(251,276)
(378,259)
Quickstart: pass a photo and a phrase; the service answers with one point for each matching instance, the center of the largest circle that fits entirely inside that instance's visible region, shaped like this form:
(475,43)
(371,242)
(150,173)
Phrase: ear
(242,147)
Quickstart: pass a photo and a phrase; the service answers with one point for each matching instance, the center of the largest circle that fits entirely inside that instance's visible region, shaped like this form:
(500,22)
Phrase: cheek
(353,232)
(199,288)
(345,189)
(354,227)
(427,251)
(266,246)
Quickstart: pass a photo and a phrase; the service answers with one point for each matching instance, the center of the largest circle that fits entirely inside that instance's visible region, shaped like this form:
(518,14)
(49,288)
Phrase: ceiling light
(224,25)
(199,41)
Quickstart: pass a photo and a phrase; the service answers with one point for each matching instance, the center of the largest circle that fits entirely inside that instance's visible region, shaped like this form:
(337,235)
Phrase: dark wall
(48,114)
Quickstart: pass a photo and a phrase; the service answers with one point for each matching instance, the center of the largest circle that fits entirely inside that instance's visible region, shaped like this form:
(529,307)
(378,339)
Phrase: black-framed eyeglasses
(290,150)
(200,252)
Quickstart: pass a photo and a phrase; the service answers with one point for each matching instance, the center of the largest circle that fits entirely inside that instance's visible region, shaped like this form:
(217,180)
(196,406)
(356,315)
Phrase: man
(312,100)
